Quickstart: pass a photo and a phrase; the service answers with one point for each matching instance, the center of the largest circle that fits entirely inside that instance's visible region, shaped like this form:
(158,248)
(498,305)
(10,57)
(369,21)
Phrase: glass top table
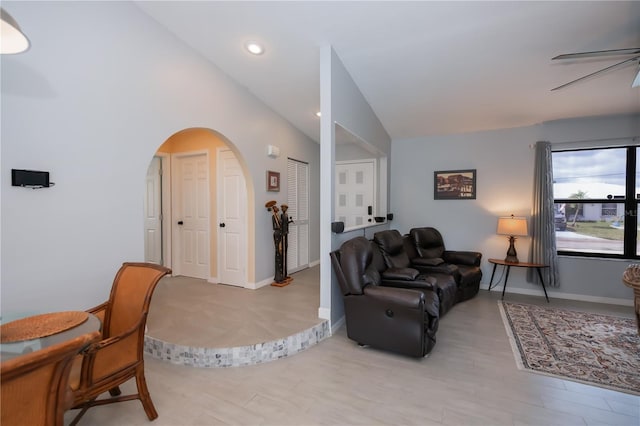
(19,347)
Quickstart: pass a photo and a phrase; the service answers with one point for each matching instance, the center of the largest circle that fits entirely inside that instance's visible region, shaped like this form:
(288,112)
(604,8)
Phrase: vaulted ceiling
(426,68)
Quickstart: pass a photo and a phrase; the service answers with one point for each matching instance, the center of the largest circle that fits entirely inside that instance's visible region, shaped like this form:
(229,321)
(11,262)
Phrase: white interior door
(191,215)
(232,227)
(298,201)
(355,192)
(153,213)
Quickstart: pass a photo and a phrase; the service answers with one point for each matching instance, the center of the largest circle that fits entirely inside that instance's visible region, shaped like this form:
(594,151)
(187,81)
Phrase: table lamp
(513,227)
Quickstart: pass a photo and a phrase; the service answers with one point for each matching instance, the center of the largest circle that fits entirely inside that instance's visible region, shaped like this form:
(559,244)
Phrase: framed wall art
(454,185)
(273,181)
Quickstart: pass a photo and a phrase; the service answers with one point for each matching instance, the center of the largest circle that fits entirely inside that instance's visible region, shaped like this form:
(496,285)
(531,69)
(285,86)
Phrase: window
(596,201)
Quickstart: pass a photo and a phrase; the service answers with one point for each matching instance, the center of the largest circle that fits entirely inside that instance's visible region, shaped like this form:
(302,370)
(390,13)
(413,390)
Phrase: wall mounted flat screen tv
(30,178)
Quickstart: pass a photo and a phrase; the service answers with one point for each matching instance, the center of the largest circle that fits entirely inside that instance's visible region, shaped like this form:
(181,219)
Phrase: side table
(508,266)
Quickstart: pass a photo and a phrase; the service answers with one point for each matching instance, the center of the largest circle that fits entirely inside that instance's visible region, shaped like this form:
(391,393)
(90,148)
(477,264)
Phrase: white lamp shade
(512,226)
(12,40)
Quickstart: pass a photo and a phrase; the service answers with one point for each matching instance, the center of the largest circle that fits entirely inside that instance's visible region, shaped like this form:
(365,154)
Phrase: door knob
(222,225)
(180,222)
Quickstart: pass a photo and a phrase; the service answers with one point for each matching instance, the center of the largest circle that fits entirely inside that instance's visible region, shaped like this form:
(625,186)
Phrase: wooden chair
(35,386)
(118,357)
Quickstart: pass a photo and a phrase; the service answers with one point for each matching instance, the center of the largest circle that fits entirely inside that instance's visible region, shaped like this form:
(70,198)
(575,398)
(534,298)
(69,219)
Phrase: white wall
(91,104)
(504,163)
(342,103)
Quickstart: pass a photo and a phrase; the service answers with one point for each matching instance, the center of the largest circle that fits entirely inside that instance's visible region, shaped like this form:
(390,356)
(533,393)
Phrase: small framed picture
(273,181)
(454,185)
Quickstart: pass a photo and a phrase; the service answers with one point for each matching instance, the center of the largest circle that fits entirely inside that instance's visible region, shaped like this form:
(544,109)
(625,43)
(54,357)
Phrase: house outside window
(596,201)
(610,210)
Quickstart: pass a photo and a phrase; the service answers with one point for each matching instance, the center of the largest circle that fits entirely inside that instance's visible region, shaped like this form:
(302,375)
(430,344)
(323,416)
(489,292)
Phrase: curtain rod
(595,143)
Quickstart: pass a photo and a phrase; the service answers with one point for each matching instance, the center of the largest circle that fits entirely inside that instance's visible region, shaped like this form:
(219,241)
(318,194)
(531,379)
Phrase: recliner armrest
(404,274)
(422,282)
(400,296)
(427,261)
(471,258)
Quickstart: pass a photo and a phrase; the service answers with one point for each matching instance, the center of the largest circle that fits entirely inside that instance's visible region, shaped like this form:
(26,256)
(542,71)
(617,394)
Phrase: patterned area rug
(595,349)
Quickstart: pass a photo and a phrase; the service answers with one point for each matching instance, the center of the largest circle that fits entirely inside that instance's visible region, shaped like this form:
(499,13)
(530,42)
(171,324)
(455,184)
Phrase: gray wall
(91,104)
(504,163)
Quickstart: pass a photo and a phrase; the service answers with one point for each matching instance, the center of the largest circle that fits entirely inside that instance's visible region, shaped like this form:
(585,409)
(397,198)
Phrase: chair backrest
(428,242)
(352,265)
(130,297)
(391,245)
(35,387)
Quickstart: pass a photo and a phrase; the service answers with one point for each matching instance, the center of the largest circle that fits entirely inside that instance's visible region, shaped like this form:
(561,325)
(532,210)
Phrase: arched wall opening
(210,142)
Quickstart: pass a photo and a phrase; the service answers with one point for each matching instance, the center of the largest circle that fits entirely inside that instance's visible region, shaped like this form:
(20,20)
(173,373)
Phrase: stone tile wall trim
(238,356)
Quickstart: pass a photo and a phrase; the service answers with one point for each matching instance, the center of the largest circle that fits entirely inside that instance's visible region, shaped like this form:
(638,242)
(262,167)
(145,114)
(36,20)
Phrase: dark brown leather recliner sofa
(401,320)
(402,273)
(397,251)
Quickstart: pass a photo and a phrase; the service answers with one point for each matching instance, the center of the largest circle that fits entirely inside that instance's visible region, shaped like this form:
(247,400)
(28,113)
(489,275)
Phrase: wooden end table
(508,265)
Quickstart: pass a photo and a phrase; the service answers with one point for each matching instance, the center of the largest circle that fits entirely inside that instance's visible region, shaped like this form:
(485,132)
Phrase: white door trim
(165,161)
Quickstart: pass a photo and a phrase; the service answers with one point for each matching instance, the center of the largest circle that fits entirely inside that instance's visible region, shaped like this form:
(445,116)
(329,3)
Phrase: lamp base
(512,256)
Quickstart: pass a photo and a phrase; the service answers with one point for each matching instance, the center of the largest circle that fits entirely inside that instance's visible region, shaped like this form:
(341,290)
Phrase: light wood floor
(469,378)
(193,312)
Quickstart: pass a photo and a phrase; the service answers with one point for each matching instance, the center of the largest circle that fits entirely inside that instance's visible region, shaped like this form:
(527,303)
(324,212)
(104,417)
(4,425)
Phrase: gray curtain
(543,235)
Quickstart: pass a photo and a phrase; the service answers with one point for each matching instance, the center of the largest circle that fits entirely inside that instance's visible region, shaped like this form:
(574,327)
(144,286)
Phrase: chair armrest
(99,311)
(400,296)
(404,274)
(112,340)
(103,358)
(471,258)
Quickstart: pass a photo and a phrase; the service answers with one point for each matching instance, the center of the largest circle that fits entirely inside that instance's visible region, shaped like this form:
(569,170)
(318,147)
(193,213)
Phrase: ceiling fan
(635,57)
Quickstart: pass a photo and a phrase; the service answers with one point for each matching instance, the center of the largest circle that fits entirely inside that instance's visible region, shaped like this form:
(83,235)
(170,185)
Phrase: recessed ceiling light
(254,48)
(318,114)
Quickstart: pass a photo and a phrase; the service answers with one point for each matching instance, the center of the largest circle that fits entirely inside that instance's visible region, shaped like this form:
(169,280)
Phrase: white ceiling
(426,68)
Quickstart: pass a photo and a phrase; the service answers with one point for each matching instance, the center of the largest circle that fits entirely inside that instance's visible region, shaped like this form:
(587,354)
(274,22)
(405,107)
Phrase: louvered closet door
(298,201)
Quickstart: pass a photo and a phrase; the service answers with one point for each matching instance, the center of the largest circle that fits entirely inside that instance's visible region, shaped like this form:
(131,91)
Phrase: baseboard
(314,263)
(250,286)
(324,313)
(255,286)
(335,327)
(560,295)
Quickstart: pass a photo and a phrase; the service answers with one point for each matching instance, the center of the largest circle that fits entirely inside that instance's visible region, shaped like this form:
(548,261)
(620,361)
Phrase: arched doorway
(188,204)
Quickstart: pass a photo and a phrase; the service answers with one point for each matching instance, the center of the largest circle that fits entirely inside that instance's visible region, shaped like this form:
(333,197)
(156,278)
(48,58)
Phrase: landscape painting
(454,185)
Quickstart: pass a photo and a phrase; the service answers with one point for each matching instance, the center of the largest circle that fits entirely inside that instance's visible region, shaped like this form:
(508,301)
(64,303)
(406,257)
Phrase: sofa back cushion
(355,262)
(428,242)
(391,246)
(377,260)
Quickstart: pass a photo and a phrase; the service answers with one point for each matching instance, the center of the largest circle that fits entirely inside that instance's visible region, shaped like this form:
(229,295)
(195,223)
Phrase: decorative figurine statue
(277,241)
(280,223)
(284,227)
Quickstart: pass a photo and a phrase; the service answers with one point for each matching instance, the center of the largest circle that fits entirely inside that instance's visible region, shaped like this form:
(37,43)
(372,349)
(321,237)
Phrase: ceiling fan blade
(609,68)
(636,81)
(596,53)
